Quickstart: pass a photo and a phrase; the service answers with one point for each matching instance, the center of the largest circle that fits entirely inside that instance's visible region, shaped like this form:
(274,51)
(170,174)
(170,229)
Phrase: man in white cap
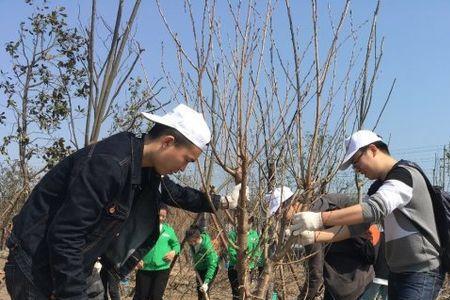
(102,201)
(402,201)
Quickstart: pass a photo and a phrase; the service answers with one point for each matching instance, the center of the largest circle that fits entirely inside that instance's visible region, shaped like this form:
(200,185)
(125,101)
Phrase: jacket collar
(137,149)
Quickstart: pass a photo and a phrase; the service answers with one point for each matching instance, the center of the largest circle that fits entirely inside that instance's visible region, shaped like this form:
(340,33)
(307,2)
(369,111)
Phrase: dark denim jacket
(97,202)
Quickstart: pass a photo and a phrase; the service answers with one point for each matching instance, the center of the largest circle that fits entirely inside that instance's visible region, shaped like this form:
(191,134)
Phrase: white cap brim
(347,160)
(358,140)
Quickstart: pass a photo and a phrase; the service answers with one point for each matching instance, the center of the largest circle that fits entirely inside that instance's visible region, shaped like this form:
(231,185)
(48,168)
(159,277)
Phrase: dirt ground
(180,289)
(181,286)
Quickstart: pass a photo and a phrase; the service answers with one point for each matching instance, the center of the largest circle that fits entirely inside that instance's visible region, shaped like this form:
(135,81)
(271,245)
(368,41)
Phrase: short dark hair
(382,147)
(193,232)
(159,130)
(163,206)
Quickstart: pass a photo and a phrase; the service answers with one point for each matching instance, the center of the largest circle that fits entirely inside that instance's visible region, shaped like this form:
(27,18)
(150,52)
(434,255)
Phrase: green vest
(166,242)
(206,258)
(253,250)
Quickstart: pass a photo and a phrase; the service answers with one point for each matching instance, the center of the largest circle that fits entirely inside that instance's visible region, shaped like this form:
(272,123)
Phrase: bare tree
(108,76)
(281,118)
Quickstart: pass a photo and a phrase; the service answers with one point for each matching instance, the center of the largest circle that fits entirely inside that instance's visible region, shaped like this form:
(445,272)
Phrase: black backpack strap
(433,200)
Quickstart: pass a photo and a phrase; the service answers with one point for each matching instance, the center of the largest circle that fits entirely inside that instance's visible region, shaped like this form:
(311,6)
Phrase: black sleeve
(400,174)
(186,198)
(374,187)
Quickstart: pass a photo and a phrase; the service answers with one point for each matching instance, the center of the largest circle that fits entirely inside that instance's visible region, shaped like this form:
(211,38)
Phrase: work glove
(304,238)
(306,221)
(231,201)
(287,232)
(97,266)
(204,287)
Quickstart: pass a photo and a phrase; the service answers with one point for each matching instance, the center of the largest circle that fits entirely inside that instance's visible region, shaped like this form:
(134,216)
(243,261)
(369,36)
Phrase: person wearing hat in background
(205,258)
(277,198)
(401,201)
(344,268)
(253,255)
(103,201)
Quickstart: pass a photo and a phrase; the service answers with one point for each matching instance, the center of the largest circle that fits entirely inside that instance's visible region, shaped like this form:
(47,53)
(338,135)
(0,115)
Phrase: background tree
(61,87)
(45,75)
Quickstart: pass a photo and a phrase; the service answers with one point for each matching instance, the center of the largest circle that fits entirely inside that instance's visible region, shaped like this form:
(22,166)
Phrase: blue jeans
(415,285)
(375,292)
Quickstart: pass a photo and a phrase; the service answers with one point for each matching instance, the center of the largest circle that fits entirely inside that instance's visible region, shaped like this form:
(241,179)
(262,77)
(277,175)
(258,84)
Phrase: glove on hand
(204,288)
(306,221)
(231,201)
(305,238)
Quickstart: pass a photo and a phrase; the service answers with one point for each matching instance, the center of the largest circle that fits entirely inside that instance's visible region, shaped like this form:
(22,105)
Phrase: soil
(181,285)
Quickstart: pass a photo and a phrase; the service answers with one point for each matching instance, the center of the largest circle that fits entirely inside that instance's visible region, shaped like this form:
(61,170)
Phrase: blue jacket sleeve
(96,182)
(186,198)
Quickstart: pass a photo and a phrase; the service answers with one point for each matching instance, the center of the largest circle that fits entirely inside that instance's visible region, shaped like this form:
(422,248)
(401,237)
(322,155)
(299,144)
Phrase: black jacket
(96,202)
(345,267)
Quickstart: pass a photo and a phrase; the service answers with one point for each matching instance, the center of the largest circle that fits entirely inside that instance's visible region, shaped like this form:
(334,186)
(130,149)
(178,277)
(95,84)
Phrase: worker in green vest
(206,260)
(253,254)
(151,280)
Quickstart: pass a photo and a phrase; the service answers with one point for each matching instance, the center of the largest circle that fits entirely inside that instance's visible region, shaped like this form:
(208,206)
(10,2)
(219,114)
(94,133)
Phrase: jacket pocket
(112,216)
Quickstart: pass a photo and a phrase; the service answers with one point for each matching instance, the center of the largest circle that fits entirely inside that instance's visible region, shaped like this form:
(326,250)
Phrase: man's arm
(344,216)
(173,242)
(213,262)
(396,192)
(97,182)
(186,198)
(333,234)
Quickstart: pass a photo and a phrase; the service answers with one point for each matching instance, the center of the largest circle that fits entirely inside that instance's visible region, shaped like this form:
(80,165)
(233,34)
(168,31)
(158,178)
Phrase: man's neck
(386,166)
(147,155)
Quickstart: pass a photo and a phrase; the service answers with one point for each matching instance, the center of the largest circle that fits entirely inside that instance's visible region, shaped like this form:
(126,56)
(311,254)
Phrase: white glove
(231,201)
(204,288)
(287,232)
(97,266)
(305,238)
(306,221)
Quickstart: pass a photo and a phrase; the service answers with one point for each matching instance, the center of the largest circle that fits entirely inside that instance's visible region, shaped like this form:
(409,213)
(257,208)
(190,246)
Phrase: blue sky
(416,54)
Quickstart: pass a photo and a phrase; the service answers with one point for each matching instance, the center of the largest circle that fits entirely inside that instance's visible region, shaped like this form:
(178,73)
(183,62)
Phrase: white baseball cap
(187,121)
(276,197)
(355,142)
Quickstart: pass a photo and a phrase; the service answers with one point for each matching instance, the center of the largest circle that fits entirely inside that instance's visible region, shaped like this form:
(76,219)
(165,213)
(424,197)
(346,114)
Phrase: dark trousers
(20,287)
(202,274)
(110,285)
(415,285)
(234,282)
(150,285)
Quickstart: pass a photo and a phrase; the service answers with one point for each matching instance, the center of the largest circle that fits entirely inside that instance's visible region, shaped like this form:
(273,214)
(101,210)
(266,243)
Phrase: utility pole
(447,160)
(443,167)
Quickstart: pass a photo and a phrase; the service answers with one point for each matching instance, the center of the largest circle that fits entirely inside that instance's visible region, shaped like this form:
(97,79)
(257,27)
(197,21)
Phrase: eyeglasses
(358,155)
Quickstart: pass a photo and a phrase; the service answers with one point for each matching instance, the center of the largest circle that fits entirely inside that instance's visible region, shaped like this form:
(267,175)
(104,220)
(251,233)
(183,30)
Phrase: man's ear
(373,150)
(167,141)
